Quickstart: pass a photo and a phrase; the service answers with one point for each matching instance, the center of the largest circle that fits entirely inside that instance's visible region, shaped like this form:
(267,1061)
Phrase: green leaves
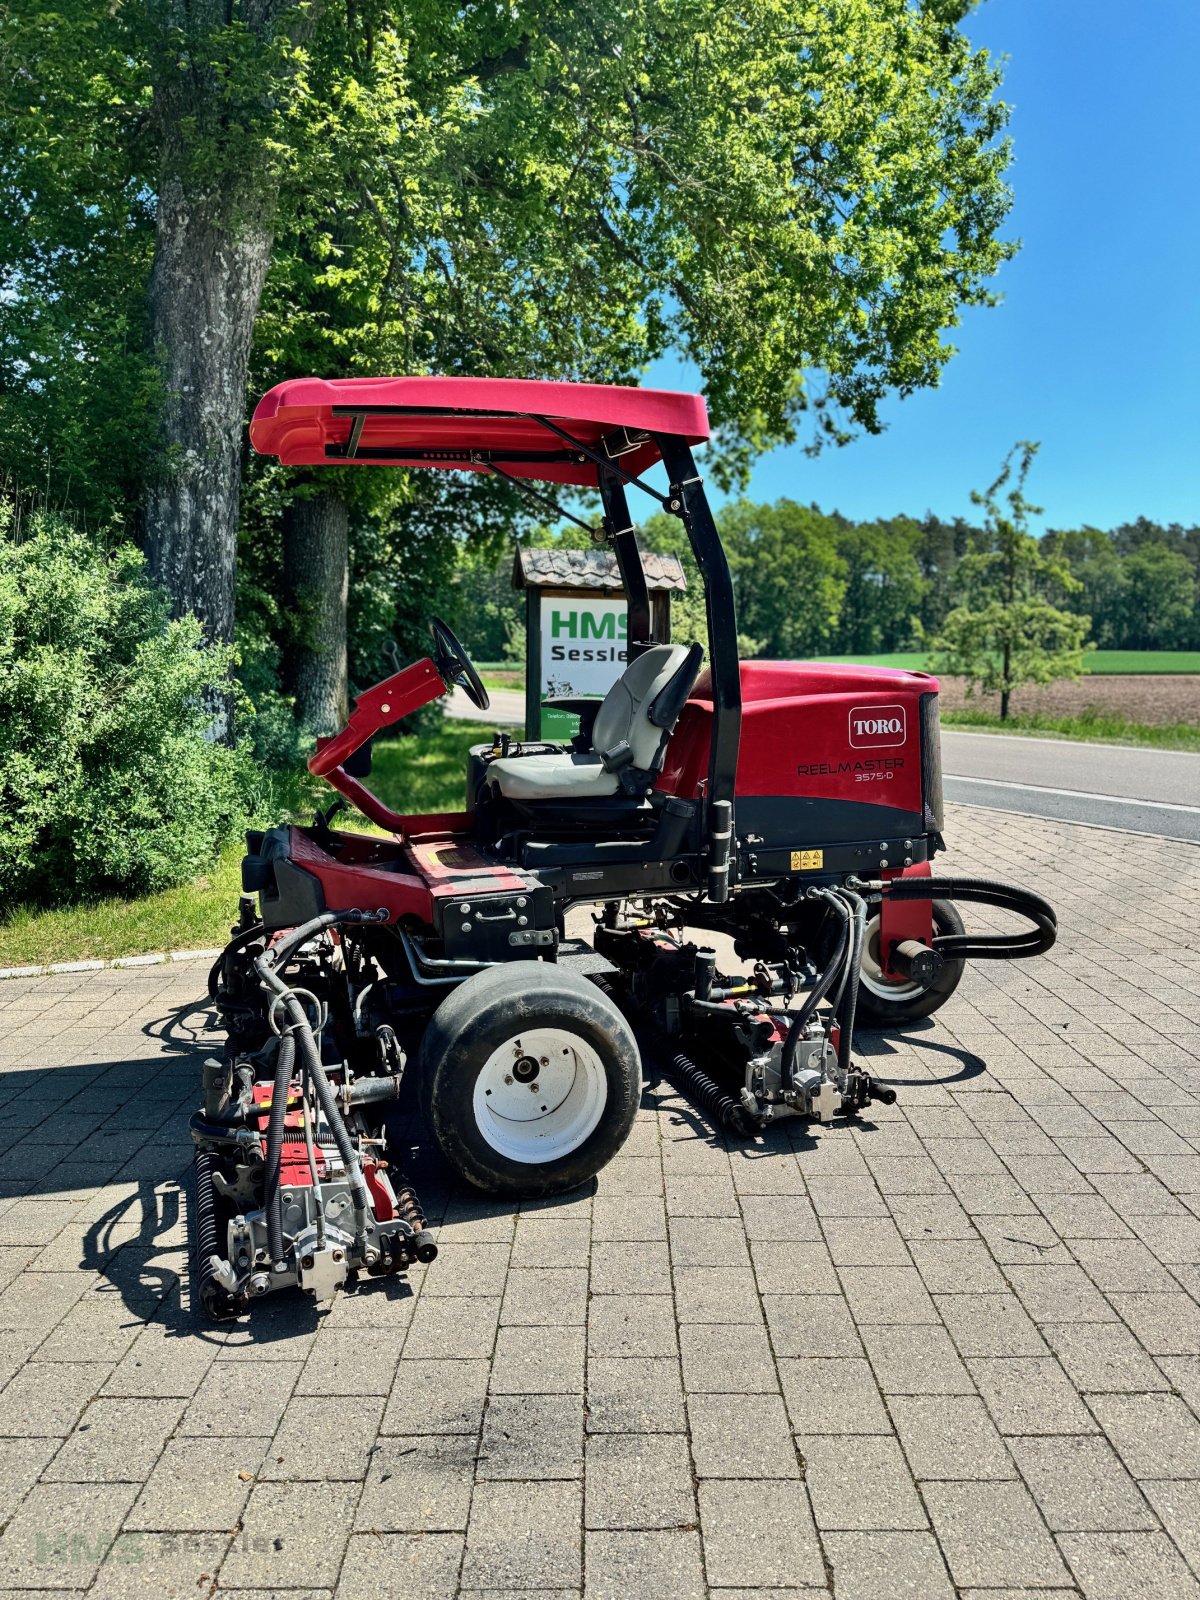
(1006,632)
(107,777)
(799,197)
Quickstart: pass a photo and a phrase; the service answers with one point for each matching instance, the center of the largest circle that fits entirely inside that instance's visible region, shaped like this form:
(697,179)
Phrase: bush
(108,781)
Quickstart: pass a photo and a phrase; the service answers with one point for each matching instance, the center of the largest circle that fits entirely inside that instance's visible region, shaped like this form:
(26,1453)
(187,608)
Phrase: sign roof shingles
(591,569)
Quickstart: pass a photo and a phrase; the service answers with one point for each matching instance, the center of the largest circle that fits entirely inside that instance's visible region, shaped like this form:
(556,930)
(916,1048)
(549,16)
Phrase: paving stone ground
(952,1350)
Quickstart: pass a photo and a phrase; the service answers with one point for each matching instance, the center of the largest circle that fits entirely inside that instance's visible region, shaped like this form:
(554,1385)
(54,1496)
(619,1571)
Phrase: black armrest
(585,710)
(672,697)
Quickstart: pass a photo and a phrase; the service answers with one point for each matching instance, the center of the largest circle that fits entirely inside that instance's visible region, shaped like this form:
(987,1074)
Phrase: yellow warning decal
(807,860)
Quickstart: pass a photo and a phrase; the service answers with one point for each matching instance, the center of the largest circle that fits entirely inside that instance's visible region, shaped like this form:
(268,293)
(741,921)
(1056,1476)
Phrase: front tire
(889,1002)
(529,1079)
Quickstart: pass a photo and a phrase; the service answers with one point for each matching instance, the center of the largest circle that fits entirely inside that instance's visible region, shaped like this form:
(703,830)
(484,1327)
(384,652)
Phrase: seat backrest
(624,715)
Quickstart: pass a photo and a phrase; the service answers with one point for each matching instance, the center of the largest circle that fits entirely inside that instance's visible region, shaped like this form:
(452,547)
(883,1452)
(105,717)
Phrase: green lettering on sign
(566,623)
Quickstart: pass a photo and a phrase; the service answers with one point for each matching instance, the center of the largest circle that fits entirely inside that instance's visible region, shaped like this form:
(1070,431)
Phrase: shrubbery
(108,781)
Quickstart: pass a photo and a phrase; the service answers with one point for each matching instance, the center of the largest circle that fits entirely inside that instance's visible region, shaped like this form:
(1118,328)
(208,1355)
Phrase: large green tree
(1006,631)
(781,190)
(77,388)
(884,586)
(1158,598)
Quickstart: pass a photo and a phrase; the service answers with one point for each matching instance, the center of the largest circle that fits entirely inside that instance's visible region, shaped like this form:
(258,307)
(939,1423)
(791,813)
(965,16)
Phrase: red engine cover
(812,731)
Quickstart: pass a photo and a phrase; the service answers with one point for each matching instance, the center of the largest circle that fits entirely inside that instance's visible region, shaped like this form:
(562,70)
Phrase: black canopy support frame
(686,499)
(623,536)
(606,463)
(690,504)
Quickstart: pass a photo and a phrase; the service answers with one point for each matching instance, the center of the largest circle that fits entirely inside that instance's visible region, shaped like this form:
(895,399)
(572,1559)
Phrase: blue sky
(1095,348)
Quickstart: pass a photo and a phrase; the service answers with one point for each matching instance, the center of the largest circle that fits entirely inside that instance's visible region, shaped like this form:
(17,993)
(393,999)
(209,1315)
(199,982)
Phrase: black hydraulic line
(239,939)
(225,1133)
(1034,941)
(284,1062)
(817,993)
(279,952)
(350,1157)
(849,1004)
(306,1044)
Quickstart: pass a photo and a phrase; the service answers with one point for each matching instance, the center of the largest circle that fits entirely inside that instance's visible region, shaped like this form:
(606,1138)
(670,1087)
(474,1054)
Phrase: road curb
(157,958)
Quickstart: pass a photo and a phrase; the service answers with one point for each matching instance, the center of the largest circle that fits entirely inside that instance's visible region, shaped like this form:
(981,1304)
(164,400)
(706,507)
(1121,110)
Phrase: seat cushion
(551,777)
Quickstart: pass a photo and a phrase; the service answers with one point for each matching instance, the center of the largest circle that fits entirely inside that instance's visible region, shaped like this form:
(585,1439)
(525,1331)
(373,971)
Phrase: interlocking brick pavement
(952,1350)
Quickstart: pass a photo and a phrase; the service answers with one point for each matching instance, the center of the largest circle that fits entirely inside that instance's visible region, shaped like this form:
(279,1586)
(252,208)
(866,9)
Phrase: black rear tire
(529,1079)
(883,1003)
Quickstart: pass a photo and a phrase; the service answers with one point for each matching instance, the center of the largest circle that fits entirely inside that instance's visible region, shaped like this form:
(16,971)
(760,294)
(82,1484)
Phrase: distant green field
(1107,662)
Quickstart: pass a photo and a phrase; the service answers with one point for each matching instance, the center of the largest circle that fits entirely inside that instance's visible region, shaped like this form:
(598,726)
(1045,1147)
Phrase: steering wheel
(454,665)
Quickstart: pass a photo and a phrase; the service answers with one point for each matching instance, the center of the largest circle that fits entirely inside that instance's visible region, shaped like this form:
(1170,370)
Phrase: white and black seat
(628,735)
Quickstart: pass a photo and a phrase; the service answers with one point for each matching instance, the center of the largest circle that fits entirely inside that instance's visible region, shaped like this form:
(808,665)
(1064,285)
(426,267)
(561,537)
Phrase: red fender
(903,919)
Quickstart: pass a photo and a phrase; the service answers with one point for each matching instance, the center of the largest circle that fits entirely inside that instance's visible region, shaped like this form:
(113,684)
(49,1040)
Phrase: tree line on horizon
(810,582)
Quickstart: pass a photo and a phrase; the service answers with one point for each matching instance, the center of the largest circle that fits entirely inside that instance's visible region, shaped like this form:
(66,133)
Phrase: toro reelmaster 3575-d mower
(792,808)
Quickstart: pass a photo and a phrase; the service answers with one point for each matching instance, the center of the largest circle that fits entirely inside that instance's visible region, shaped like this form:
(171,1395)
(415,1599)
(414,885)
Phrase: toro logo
(876,725)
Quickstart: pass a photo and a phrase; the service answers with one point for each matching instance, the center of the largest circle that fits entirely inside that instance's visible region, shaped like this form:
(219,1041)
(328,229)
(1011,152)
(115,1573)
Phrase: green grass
(1106,663)
(1103,663)
(1109,662)
(195,916)
(416,775)
(1091,726)
(429,773)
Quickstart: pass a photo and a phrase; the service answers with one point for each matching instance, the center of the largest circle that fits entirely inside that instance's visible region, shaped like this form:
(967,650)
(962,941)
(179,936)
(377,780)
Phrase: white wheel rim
(540,1095)
(870,975)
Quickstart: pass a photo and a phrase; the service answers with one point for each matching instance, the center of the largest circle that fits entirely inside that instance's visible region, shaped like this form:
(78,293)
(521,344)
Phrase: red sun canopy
(523,428)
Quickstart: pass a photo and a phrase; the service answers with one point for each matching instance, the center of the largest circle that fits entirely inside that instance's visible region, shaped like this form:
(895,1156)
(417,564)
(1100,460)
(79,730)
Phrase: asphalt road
(1112,786)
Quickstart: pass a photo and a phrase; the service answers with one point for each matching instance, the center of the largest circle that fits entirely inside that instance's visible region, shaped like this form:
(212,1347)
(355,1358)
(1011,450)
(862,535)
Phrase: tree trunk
(209,268)
(316,534)
(219,76)
(1004,693)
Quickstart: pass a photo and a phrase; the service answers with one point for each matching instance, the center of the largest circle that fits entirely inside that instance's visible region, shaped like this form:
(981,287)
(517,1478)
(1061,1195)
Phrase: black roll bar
(623,536)
(689,503)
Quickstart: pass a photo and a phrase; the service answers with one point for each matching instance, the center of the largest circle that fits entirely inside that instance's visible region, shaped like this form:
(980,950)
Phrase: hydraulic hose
(265,966)
(820,989)
(284,1063)
(204,1132)
(1033,941)
(236,943)
(850,994)
(341,1137)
